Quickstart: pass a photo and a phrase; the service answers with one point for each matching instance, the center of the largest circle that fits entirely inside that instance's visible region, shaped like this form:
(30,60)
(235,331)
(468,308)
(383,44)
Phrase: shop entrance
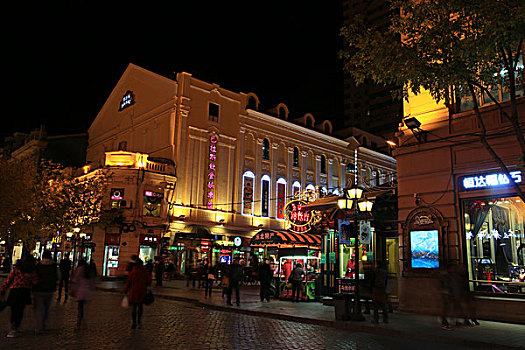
(111,260)
(147,252)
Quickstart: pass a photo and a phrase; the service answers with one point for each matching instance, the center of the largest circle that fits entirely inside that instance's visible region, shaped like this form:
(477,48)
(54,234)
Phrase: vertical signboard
(211,173)
(281,188)
(265,197)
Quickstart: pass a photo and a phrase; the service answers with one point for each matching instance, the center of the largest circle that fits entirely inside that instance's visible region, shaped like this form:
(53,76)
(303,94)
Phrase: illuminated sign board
(237,241)
(298,218)
(153,194)
(485,181)
(127,100)
(211,173)
(117,193)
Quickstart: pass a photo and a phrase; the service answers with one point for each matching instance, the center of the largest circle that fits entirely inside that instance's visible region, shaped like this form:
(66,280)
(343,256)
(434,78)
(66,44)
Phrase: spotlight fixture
(260,226)
(414,125)
(221,221)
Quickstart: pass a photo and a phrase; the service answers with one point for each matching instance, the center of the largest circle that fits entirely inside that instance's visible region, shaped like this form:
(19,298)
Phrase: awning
(195,231)
(272,237)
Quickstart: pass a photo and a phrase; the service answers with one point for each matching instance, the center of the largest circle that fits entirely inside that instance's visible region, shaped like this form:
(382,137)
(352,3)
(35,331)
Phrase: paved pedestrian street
(177,325)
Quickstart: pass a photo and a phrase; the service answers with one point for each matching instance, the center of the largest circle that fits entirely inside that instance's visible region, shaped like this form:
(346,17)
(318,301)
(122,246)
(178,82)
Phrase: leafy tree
(449,48)
(39,202)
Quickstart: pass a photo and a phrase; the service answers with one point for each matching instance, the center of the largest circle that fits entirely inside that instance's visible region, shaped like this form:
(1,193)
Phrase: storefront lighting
(354,193)
(82,235)
(391,143)
(344,203)
(76,229)
(69,234)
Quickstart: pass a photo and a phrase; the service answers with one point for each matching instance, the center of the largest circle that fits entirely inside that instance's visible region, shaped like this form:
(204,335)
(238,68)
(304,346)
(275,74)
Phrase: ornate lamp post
(352,201)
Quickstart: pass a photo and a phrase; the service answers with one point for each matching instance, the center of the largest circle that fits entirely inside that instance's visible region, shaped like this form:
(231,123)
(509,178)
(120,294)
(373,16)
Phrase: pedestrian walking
(64,267)
(235,278)
(83,285)
(159,271)
(47,276)
(447,300)
(466,297)
(297,277)
(137,285)
(211,273)
(131,263)
(379,297)
(265,278)
(19,283)
(191,271)
(201,273)
(170,270)
(224,270)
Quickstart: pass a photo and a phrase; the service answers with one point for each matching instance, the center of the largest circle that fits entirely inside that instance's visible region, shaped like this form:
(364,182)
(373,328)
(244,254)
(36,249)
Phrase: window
(323,165)
(309,122)
(281,198)
(247,195)
(252,103)
(122,146)
(494,239)
(310,187)
(265,196)
(296,187)
(213,112)
(266,149)
(295,156)
(350,168)
(375,177)
(282,113)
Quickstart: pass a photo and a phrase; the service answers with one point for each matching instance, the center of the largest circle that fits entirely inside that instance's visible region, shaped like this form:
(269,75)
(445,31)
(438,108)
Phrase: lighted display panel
(424,246)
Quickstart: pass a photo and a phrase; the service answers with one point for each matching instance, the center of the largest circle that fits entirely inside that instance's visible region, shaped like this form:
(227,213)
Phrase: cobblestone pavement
(178,325)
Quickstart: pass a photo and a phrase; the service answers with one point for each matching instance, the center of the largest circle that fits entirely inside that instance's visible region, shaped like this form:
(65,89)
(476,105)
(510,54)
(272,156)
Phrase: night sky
(64,59)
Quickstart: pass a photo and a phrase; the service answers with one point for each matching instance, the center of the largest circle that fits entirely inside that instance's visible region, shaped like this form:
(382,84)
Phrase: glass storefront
(111,260)
(495,244)
(147,252)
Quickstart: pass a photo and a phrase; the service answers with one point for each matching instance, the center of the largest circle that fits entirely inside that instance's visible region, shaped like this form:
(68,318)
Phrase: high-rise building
(370,106)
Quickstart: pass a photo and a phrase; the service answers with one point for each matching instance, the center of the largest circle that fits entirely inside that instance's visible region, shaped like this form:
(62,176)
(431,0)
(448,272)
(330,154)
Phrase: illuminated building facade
(457,209)
(236,166)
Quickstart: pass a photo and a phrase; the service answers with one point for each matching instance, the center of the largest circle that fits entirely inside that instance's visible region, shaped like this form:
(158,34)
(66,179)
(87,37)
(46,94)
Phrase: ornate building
(236,166)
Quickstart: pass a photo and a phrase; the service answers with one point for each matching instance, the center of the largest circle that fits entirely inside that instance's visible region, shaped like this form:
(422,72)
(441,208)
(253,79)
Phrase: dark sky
(65,58)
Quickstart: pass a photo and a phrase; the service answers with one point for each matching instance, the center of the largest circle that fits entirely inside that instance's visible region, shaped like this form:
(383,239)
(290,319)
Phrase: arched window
(296,187)
(310,187)
(375,178)
(252,103)
(295,156)
(309,122)
(265,196)
(281,198)
(365,141)
(324,191)
(282,113)
(323,165)
(247,193)
(350,168)
(336,191)
(326,128)
(266,149)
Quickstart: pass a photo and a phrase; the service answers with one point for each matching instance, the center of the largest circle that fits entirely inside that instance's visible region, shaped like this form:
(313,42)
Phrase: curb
(344,325)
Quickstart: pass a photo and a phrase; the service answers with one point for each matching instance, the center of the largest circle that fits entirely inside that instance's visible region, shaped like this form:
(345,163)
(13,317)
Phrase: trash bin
(341,313)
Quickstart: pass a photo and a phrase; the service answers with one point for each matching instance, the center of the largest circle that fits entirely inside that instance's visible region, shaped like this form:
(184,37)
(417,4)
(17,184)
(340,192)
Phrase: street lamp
(352,200)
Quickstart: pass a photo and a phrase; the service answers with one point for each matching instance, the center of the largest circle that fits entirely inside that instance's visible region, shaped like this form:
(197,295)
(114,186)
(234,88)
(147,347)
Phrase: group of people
(34,282)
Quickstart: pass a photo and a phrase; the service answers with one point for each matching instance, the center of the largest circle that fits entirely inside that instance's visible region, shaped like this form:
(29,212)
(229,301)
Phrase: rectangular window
(495,242)
(213,112)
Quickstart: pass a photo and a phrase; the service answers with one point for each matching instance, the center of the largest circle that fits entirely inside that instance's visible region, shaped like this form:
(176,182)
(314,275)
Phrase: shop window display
(494,233)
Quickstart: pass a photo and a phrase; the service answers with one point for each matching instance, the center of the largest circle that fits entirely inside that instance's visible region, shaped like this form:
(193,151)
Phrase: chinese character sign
(265,200)
(476,182)
(298,218)
(211,173)
(280,200)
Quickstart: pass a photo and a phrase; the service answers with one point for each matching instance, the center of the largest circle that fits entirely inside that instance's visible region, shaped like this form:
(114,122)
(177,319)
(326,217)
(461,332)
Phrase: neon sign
(210,190)
(477,182)
(299,220)
(127,100)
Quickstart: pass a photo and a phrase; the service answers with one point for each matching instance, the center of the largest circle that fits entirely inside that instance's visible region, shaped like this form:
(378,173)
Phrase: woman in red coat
(137,284)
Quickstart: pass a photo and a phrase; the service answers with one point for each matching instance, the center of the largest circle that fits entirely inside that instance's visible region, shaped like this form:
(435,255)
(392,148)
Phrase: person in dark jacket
(297,277)
(211,276)
(265,277)
(19,282)
(137,285)
(47,276)
(159,271)
(235,279)
(379,296)
(65,270)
